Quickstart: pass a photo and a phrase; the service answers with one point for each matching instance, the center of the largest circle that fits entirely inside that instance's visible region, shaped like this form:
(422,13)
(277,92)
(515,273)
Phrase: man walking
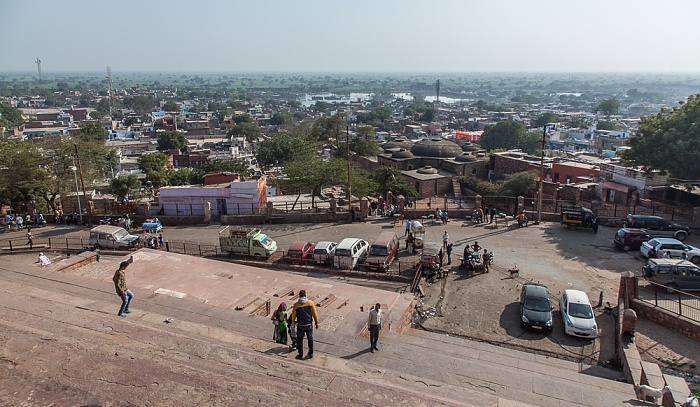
(408,227)
(120,286)
(30,239)
(445,238)
(304,314)
(493,214)
(449,254)
(375,325)
(486,261)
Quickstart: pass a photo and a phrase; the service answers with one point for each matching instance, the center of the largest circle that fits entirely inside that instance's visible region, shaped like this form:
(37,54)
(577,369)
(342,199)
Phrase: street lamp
(77,191)
(541,177)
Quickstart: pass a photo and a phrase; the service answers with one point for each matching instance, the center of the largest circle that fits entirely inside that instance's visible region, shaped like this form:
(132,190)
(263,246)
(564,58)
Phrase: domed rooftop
(466,158)
(427,170)
(399,143)
(402,153)
(469,147)
(437,148)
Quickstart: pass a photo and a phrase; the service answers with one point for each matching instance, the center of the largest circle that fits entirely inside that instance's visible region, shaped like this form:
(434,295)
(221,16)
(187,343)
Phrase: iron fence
(675,301)
(53,243)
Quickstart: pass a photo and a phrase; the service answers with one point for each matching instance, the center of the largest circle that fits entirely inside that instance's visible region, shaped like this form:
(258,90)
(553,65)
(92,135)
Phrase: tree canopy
(238,166)
(171,140)
(250,131)
(9,116)
(608,107)
(281,118)
(126,186)
(171,106)
(140,104)
(544,118)
(504,134)
(669,142)
(365,142)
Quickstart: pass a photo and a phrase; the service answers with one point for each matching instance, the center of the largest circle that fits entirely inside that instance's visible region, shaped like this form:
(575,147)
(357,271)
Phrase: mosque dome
(469,147)
(399,143)
(437,148)
(427,170)
(402,153)
(466,158)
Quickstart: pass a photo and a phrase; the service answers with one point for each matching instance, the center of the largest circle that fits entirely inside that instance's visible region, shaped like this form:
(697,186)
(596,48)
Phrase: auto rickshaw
(152,233)
(430,256)
(418,231)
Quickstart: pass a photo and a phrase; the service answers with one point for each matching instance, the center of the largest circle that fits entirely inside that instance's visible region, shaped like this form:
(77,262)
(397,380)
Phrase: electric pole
(109,94)
(41,82)
(82,183)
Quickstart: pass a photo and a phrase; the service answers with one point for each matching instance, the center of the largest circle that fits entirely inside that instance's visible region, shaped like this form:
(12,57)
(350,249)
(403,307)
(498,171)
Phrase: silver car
(662,246)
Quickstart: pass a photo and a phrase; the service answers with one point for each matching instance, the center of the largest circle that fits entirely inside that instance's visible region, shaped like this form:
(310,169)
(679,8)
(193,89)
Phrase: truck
(246,241)
(575,217)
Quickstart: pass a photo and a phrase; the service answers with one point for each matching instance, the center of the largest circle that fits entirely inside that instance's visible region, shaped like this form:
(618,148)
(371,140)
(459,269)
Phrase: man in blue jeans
(120,286)
(304,313)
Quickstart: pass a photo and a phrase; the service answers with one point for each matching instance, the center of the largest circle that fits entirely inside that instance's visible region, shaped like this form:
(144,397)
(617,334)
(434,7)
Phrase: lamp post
(347,142)
(77,191)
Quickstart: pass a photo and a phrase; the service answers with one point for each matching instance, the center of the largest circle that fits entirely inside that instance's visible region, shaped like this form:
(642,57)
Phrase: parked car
(112,237)
(675,274)
(657,226)
(324,251)
(577,314)
(660,245)
(630,238)
(299,252)
(349,253)
(536,309)
(382,252)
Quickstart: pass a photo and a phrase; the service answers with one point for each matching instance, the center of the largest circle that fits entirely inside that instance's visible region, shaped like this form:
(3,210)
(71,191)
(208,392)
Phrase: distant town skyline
(358,36)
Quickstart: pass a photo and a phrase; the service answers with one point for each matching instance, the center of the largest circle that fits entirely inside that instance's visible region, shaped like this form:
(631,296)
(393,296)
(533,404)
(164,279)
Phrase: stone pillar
(364,208)
(478,201)
(334,206)
(629,322)
(269,208)
(628,288)
(400,200)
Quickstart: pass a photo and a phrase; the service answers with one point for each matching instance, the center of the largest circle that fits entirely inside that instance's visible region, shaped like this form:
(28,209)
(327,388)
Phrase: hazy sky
(351,36)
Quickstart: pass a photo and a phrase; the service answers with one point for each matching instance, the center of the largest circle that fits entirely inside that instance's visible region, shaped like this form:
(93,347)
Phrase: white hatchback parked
(577,314)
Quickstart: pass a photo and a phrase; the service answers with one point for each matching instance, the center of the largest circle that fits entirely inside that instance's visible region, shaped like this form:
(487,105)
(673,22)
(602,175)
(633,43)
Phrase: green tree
(294,103)
(171,106)
(544,118)
(184,176)
(390,179)
(242,118)
(605,125)
(608,107)
(140,104)
(9,116)
(504,134)
(310,175)
(250,131)
(121,187)
(238,166)
(152,163)
(531,142)
(669,142)
(329,128)
(365,142)
(284,148)
(171,140)
(518,184)
(281,118)
(22,176)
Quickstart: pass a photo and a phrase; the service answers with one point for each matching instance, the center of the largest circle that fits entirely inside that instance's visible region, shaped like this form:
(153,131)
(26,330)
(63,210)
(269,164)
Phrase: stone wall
(667,319)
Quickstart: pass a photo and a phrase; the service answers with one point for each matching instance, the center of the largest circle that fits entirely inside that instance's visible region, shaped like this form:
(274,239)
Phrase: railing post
(167,246)
(200,250)
(67,247)
(10,241)
(680,303)
(49,243)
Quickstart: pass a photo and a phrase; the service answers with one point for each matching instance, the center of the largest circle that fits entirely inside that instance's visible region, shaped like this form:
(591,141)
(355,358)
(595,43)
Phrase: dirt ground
(485,306)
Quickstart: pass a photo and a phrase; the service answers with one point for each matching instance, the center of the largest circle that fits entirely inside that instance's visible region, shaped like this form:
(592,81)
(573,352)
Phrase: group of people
(291,328)
(484,215)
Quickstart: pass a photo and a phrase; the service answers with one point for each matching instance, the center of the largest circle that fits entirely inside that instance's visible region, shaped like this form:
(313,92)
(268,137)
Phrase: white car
(324,251)
(577,314)
(677,249)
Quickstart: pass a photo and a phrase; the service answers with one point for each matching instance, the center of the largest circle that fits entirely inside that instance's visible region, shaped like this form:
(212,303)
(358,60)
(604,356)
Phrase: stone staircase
(64,344)
(456,189)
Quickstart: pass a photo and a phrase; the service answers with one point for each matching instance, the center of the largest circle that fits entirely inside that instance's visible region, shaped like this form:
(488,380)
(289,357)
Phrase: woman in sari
(279,318)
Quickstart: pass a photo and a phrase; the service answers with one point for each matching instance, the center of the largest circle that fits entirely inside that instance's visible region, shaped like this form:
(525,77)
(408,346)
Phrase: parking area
(485,306)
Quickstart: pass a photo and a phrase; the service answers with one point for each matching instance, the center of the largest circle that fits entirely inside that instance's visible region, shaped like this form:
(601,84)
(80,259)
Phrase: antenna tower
(38,67)
(437,90)
(109,94)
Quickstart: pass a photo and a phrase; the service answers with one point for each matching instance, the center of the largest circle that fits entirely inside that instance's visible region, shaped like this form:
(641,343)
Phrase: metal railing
(675,301)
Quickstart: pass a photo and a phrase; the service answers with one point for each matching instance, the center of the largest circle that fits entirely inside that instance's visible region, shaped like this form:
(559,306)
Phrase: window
(556,177)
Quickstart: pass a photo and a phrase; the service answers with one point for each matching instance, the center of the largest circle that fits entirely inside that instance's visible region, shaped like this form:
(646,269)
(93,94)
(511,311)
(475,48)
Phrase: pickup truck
(245,241)
(579,217)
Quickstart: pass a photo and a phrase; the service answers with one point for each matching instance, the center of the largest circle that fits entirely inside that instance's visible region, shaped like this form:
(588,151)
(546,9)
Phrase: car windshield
(378,251)
(654,243)
(294,253)
(120,234)
(536,304)
(342,252)
(266,241)
(580,311)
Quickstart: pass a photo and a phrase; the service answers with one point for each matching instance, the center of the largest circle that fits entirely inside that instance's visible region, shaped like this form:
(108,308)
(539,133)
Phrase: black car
(536,308)
(657,226)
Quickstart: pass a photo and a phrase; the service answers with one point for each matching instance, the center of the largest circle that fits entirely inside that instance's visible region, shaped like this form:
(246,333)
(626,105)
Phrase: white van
(112,237)
(349,252)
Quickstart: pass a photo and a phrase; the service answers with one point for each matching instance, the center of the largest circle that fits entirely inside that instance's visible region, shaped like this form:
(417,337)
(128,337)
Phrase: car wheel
(626,248)
(695,259)
(671,288)
(681,236)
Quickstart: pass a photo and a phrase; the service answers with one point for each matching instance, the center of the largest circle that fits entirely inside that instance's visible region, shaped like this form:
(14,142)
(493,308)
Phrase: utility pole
(347,140)
(541,178)
(109,94)
(82,183)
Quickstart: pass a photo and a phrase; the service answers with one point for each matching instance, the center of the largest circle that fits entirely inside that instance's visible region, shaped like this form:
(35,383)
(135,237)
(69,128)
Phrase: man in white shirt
(375,325)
